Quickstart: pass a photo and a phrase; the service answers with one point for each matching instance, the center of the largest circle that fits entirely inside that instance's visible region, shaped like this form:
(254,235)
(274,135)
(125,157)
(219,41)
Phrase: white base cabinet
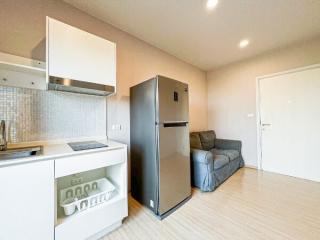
(27,201)
(30,197)
(101,218)
(92,221)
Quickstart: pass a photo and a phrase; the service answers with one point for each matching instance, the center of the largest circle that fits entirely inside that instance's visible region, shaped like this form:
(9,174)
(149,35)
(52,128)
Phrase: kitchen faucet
(3,140)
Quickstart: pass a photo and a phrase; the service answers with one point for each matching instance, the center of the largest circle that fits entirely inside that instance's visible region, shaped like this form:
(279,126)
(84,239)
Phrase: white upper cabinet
(22,72)
(78,55)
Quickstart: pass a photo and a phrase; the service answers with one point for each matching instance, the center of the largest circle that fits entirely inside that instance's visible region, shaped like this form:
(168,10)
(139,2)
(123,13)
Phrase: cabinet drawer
(92,221)
(85,162)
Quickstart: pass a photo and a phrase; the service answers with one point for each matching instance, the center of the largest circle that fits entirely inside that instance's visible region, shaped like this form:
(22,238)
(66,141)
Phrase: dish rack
(83,196)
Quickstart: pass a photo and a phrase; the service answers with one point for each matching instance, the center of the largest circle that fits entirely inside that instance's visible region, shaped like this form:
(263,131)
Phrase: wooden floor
(249,205)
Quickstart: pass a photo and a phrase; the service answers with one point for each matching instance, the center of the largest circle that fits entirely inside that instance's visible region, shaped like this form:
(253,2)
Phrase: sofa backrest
(202,140)
(195,141)
(207,139)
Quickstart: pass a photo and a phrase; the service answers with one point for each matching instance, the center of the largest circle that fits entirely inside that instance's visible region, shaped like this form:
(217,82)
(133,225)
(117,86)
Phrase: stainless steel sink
(16,153)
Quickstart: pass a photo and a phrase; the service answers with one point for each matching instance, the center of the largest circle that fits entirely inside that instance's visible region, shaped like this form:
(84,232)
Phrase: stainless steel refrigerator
(159,144)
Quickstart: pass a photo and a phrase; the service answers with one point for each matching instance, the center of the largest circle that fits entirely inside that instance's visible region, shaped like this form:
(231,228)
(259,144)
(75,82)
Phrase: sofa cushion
(195,140)
(219,161)
(207,139)
(231,154)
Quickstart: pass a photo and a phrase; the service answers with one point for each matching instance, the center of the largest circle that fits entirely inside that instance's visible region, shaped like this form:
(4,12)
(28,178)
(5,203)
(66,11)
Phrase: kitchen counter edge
(57,151)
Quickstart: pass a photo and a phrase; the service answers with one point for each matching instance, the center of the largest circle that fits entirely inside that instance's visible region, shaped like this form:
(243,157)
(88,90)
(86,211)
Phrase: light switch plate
(116,127)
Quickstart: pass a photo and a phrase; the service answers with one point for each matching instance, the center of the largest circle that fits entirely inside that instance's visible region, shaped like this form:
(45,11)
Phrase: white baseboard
(250,166)
(105,231)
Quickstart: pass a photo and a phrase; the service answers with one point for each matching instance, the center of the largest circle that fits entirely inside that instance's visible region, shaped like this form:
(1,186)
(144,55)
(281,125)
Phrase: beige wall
(232,92)
(231,89)
(22,32)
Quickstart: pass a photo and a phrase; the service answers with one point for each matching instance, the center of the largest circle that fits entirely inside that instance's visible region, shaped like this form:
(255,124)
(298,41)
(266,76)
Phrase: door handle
(264,126)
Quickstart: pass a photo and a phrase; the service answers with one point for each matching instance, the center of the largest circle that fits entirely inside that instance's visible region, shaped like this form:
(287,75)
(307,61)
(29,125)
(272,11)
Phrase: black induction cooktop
(87,145)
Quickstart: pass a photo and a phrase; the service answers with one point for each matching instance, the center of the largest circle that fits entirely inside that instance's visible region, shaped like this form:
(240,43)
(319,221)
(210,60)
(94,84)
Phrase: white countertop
(59,149)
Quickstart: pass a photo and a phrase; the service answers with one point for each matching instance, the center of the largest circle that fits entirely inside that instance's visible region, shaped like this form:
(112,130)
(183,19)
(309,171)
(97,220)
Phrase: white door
(290,123)
(27,201)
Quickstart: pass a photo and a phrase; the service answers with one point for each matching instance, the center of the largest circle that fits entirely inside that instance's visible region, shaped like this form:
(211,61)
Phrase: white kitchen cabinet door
(78,55)
(27,201)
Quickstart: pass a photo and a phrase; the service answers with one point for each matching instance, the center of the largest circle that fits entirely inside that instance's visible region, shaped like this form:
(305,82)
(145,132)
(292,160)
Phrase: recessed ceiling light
(244,43)
(211,4)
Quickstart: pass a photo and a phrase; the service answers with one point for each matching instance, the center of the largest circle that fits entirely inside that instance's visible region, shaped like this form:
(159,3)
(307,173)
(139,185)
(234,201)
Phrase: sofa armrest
(228,144)
(201,156)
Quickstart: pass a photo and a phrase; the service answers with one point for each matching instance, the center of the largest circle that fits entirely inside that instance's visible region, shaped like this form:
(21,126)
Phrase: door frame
(258,105)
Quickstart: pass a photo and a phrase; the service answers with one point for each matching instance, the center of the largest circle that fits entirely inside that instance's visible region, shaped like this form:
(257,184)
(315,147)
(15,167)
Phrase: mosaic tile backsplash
(34,115)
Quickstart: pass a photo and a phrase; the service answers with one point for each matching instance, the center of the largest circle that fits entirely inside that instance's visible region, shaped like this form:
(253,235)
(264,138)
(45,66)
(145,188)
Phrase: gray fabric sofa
(213,160)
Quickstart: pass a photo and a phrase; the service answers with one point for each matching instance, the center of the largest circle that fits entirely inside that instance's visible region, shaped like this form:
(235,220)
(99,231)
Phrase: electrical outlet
(151,204)
(76,181)
(116,127)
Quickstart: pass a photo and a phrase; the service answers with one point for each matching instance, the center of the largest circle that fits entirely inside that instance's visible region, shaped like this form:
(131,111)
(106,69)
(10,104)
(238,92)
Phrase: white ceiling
(208,39)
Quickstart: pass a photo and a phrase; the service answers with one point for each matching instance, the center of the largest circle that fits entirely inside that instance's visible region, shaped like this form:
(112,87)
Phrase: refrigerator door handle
(174,124)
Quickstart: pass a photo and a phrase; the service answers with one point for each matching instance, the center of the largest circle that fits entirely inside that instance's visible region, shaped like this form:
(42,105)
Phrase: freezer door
(173,100)
(174,165)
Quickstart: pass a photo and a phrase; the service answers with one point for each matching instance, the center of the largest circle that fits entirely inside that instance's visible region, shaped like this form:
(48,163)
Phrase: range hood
(78,61)
(76,86)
